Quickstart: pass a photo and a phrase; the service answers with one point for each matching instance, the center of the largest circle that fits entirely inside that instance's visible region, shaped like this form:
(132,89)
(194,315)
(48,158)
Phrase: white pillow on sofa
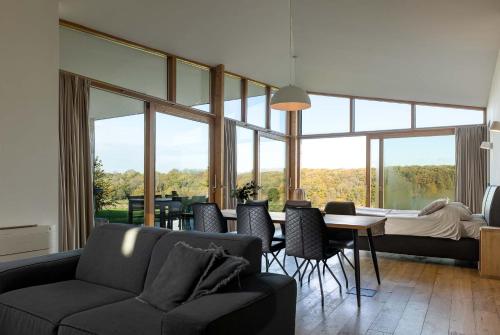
(464,211)
(434,206)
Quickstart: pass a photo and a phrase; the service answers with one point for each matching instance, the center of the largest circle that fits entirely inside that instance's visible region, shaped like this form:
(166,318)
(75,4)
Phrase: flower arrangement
(245,192)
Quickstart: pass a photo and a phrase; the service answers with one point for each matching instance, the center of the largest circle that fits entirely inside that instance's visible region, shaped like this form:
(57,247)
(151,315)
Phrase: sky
(183,144)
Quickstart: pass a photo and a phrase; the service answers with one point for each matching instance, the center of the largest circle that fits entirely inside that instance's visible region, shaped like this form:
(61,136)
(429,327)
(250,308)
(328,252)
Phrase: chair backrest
(208,218)
(264,203)
(340,208)
(255,221)
(174,206)
(306,234)
(297,204)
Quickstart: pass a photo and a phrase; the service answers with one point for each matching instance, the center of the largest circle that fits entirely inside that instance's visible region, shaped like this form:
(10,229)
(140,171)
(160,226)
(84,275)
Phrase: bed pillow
(464,211)
(433,207)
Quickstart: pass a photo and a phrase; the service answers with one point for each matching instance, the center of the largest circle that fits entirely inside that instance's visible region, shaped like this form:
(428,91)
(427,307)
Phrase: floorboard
(417,296)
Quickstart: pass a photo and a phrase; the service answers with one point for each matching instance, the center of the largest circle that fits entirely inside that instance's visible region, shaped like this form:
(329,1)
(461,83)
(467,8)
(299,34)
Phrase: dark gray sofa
(93,290)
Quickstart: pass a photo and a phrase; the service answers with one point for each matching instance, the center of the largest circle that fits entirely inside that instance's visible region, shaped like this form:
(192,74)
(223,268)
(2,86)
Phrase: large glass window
(379,115)
(418,170)
(117,141)
(113,63)
(244,155)
(334,169)
(278,118)
(326,115)
(182,156)
(232,97)
(374,172)
(256,104)
(193,85)
(273,172)
(434,116)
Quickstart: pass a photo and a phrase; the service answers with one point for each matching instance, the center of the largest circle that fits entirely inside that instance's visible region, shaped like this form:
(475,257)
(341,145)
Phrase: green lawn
(120,215)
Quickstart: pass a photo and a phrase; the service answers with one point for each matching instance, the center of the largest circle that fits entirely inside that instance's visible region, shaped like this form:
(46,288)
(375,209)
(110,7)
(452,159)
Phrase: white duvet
(445,223)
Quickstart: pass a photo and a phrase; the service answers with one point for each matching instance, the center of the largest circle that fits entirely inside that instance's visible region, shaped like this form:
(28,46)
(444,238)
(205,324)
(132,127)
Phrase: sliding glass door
(182,157)
(117,141)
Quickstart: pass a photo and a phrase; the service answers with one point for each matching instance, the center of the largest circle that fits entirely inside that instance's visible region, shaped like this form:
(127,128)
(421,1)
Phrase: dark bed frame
(465,249)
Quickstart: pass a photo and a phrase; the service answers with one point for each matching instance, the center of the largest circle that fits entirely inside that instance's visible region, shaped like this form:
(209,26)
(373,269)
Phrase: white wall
(29,62)
(494,115)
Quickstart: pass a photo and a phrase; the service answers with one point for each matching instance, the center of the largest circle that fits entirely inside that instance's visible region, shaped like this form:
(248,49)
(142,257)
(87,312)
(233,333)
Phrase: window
(327,115)
(193,85)
(245,160)
(256,104)
(114,63)
(434,116)
(182,156)
(278,118)
(117,135)
(378,115)
(334,169)
(418,170)
(273,172)
(232,97)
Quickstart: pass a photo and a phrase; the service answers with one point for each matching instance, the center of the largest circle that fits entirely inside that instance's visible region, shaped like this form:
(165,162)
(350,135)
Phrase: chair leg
(320,285)
(277,261)
(343,271)
(347,259)
(334,277)
(324,268)
(284,259)
(310,273)
(267,263)
(298,269)
(305,270)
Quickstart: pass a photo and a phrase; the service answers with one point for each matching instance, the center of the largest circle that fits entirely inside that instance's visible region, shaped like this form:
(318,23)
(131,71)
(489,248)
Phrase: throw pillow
(178,276)
(433,207)
(219,273)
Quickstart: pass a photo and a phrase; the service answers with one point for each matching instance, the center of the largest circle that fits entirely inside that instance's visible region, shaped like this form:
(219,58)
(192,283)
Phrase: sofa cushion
(128,317)
(117,256)
(178,276)
(244,246)
(39,309)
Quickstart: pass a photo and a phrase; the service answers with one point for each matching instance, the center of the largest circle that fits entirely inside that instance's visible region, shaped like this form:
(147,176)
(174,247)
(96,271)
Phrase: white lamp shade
(290,98)
(495,126)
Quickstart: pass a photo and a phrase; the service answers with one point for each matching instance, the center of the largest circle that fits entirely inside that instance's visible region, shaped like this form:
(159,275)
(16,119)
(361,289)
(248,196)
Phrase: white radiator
(24,242)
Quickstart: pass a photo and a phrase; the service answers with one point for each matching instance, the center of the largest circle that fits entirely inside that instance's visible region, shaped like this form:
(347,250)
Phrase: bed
(433,236)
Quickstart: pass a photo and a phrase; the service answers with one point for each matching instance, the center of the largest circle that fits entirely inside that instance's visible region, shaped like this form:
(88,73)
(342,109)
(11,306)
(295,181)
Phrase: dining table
(354,223)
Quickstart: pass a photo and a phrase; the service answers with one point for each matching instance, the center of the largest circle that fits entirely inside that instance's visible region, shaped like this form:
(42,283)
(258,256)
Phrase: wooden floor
(417,296)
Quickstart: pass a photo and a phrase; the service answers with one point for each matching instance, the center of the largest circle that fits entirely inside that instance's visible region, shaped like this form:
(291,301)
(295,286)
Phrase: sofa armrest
(38,270)
(265,304)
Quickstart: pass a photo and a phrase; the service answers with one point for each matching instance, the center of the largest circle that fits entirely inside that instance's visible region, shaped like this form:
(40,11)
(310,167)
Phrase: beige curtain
(471,165)
(75,164)
(229,162)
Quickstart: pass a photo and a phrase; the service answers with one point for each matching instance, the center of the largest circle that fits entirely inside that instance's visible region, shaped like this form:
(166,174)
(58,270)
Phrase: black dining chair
(342,238)
(264,203)
(255,221)
(307,239)
(174,212)
(208,218)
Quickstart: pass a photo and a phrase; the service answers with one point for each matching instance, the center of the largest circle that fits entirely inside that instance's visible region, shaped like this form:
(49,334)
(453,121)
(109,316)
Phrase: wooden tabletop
(358,222)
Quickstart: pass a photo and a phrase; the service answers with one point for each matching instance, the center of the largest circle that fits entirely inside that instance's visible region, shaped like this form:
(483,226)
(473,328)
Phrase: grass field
(120,215)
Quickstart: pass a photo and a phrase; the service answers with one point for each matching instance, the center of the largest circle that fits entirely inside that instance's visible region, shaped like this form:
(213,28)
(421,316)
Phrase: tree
(103,190)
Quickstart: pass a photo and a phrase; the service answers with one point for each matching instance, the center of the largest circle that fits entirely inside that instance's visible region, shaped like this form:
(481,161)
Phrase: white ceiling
(423,50)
